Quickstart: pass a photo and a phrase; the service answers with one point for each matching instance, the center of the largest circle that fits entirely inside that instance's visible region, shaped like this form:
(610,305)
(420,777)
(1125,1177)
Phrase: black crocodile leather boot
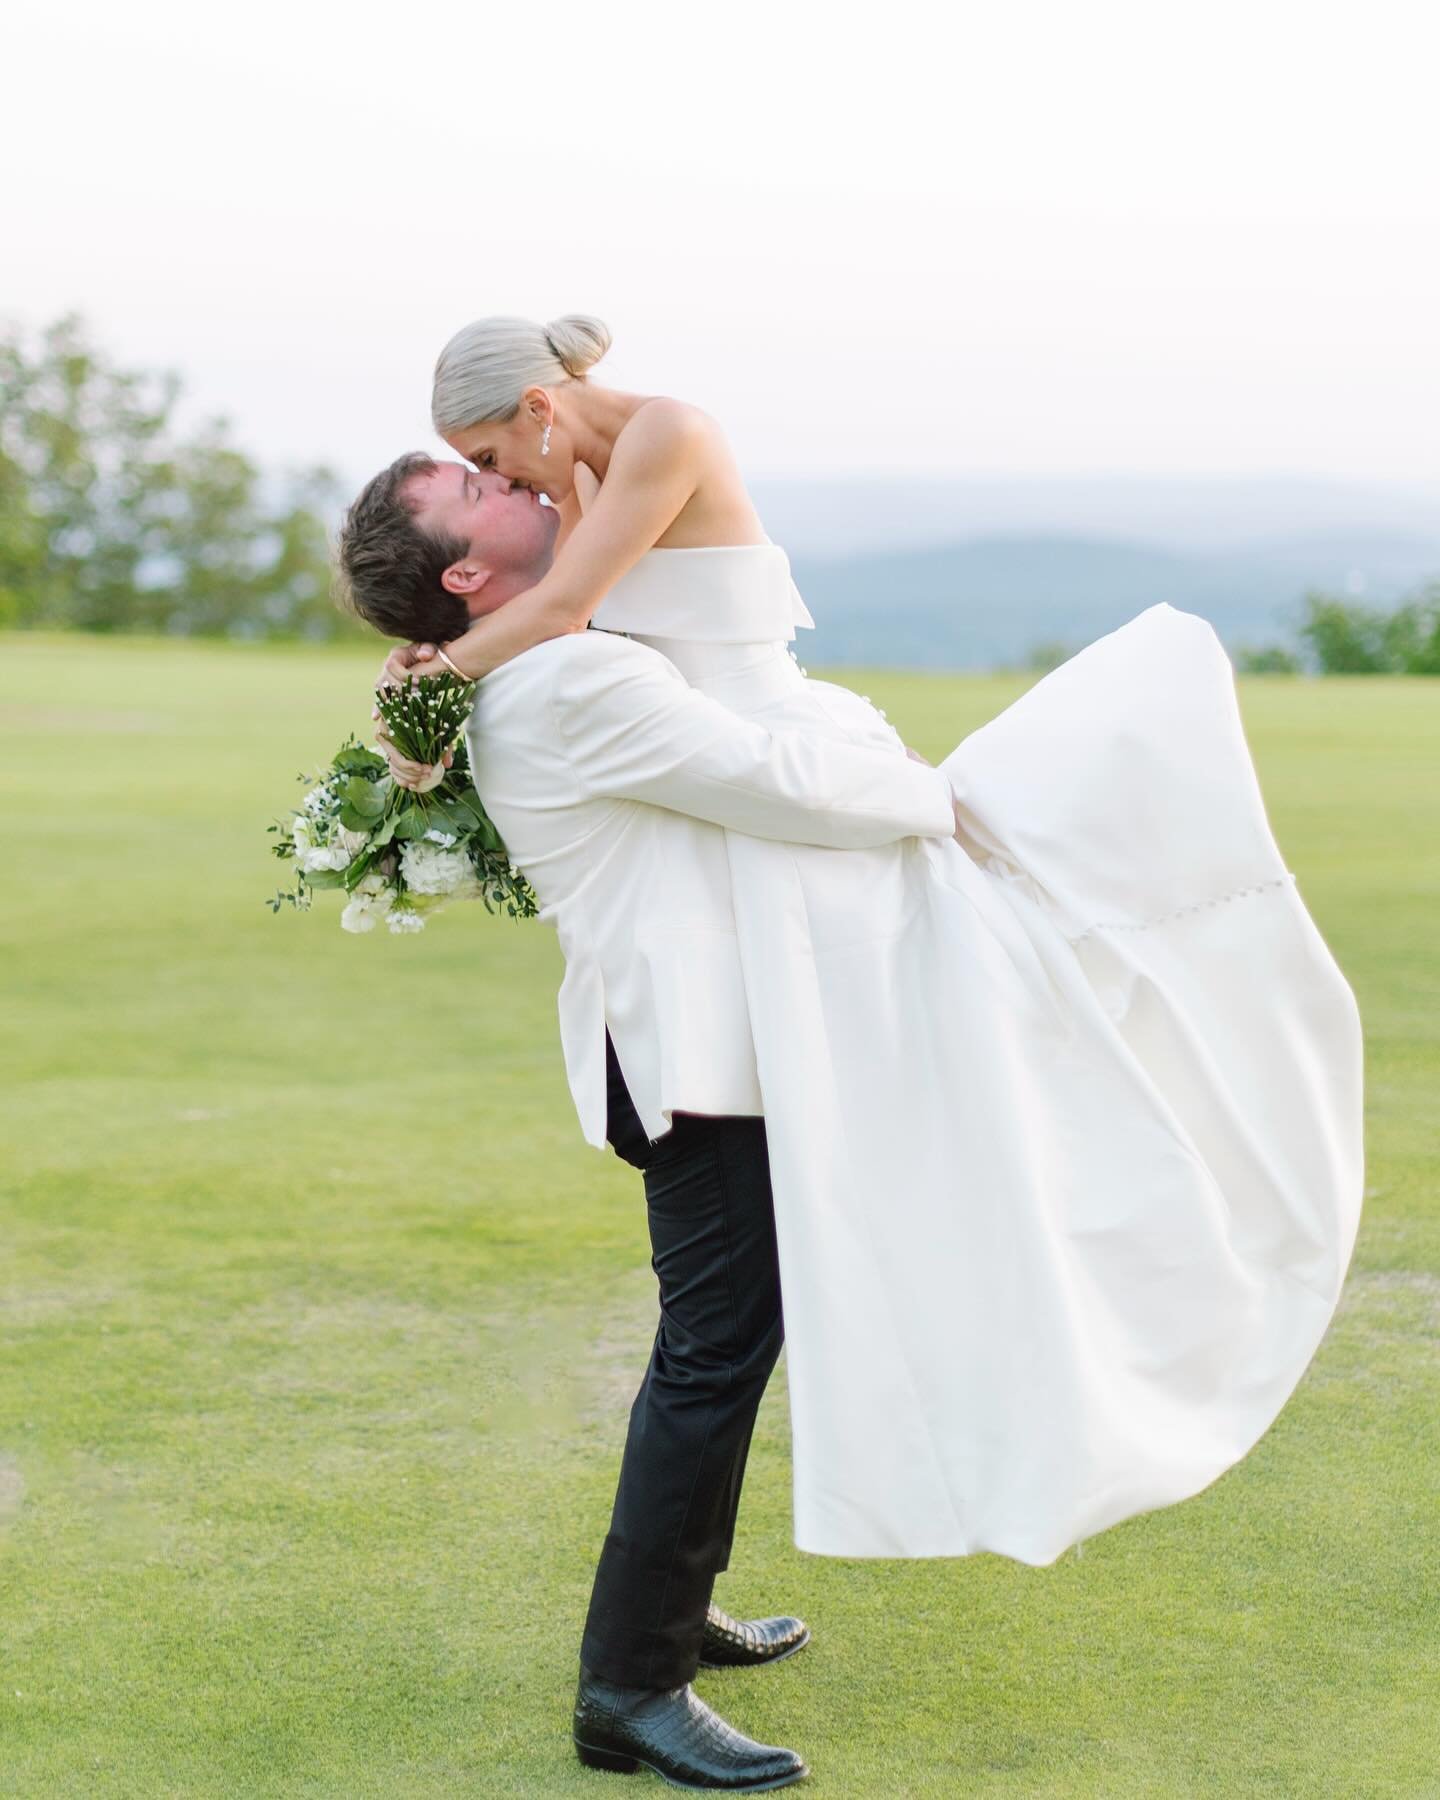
(673,1732)
(746,1643)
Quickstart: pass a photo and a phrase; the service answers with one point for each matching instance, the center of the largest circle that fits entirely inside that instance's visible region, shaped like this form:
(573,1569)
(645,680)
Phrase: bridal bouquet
(399,853)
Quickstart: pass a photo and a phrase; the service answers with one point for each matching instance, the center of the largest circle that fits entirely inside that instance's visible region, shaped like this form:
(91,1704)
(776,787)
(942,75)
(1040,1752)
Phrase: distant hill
(992,600)
(849,515)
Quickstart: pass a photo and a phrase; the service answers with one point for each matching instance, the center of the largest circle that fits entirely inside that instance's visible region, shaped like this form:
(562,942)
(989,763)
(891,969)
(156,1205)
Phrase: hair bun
(578,341)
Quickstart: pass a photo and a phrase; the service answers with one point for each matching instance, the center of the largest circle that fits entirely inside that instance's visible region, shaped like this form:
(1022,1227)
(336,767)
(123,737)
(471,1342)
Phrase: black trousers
(712,1232)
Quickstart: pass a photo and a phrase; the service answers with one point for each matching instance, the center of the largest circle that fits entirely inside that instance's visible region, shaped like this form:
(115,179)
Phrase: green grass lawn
(320,1324)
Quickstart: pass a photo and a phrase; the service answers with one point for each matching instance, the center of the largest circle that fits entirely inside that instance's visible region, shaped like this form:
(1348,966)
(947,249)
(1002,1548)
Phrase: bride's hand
(418,777)
(409,661)
(427,663)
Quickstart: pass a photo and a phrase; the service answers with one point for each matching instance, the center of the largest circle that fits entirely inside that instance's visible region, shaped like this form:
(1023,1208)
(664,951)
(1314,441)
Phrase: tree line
(1340,637)
(1333,637)
(112,519)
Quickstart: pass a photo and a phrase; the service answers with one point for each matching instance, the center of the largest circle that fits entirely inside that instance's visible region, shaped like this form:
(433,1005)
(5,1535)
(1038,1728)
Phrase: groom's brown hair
(392,566)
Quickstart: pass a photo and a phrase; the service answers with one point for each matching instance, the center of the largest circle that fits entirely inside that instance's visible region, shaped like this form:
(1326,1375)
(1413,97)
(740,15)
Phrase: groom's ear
(465,579)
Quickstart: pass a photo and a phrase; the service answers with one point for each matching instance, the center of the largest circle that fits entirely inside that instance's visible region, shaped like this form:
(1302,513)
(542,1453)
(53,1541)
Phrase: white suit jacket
(610,779)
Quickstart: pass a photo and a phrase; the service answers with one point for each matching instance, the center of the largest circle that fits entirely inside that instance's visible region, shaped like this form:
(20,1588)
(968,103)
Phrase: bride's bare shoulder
(663,421)
(683,448)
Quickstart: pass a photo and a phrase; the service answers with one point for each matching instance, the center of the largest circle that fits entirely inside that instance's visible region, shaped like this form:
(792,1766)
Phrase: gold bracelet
(440,652)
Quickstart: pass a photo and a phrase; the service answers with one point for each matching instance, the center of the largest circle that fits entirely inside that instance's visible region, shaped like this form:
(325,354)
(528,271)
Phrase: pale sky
(1018,237)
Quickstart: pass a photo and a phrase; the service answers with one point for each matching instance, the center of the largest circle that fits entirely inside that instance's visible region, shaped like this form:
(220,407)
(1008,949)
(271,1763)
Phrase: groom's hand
(915,756)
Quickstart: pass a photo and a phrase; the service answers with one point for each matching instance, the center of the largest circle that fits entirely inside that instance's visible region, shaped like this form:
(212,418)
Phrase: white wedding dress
(1065,1131)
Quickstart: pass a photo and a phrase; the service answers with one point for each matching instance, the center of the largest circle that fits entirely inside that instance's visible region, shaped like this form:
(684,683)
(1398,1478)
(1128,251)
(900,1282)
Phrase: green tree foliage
(110,520)
(1413,633)
(1048,655)
(1345,639)
(1341,638)
(1272,659)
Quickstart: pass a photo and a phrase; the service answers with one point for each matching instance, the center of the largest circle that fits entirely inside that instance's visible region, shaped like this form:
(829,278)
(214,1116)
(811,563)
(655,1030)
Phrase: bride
(1064,1124)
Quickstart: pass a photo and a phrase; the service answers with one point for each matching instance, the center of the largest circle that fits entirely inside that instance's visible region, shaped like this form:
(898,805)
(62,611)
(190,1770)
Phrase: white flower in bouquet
(338,854)
(322,842)
(435,868)
(371,901)
(404,918)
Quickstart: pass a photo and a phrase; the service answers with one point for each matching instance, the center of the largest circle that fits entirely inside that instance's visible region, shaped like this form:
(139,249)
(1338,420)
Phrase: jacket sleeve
(633,729)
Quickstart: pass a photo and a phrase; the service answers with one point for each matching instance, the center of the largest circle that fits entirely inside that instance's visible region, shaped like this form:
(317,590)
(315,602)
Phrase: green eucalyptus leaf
(413,823)
(357,760)
(364,797)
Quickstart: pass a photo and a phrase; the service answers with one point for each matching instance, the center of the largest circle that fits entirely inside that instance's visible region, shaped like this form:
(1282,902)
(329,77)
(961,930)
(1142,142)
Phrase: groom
(613,783)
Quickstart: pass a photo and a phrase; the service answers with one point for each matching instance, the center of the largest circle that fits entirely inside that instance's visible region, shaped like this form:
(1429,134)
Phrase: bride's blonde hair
(485,368)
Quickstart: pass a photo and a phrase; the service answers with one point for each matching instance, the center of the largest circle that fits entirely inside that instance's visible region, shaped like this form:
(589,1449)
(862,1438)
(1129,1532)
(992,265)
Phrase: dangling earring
(545,442)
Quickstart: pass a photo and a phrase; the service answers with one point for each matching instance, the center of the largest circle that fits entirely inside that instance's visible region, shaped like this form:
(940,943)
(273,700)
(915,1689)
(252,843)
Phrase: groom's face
(508,531)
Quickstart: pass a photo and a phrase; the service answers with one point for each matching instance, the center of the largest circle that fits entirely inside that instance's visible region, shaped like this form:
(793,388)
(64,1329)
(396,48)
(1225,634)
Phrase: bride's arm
(654,469)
